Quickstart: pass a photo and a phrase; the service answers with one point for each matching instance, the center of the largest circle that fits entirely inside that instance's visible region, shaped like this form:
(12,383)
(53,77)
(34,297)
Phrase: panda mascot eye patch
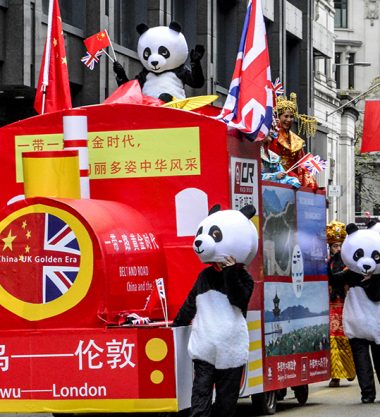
(227,233)
(360,250)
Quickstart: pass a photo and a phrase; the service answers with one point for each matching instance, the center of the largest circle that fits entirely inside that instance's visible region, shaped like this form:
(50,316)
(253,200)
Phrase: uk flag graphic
(59,239)
(39,258)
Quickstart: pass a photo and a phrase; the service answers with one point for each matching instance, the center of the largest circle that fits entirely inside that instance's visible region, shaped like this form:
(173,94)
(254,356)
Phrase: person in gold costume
(289,146)
(342,363)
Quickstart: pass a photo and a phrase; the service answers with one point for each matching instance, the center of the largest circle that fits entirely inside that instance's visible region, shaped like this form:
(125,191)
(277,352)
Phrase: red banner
(134,367)
(371,127)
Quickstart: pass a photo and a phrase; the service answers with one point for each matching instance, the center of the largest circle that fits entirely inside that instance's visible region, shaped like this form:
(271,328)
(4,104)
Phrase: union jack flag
(315,165)
(249,104)
(161,288)
(90,60)
(278,88)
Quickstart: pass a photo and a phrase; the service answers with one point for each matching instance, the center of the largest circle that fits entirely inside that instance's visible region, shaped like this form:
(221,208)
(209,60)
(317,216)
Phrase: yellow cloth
(342,363)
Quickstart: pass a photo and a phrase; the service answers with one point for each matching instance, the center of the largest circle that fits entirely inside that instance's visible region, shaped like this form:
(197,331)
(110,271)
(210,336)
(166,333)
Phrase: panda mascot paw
(196,54)
(163,52)
(121,76)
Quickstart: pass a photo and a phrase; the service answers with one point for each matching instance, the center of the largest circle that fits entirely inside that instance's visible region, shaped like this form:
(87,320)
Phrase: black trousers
(227,387)
(363,364)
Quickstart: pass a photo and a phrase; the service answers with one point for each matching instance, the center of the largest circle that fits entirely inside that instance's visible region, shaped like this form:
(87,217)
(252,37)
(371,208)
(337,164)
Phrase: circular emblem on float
(46,261)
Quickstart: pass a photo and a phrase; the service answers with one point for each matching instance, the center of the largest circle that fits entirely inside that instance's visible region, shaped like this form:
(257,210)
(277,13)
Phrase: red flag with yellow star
(97,42)
(53,90)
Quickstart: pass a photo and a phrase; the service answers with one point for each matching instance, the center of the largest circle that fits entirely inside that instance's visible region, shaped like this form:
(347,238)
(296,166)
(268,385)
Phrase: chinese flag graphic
(53,90)
(97,42)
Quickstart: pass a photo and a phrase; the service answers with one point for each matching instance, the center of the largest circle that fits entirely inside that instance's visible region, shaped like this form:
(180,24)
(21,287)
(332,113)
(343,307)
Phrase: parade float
(99,203)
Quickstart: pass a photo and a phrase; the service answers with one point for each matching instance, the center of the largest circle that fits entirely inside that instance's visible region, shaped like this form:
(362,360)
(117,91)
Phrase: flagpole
(109,56)
(45,79)
(113,51)
(297,163)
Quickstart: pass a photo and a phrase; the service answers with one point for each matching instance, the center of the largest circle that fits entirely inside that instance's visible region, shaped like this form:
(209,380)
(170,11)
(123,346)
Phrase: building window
(72,12)
(228,38)
(340,13)
(185,13)
(351,71)
(129,14)
(338,60)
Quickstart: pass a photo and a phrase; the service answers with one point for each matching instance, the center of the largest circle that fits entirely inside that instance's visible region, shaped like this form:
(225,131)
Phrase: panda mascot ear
(141,28)
(175,26)
(214,209)
(249,211)
(372,223)
(351,228)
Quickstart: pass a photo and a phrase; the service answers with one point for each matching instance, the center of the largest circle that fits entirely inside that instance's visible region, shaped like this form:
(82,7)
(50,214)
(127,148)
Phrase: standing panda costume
(163,52)
(361,313)
(216,306)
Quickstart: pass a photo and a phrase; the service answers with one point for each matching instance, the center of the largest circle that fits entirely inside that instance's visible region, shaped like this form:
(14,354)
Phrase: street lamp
(354,99)
(351,64)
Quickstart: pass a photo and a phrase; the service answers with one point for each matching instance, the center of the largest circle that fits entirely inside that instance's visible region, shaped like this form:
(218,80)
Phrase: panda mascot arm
(193,77)
(188,309)
(239,286)
(121,76)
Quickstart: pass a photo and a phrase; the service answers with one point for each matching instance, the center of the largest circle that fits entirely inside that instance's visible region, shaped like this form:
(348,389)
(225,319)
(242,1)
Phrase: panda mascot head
(361,250)
(161,48)
(227,233)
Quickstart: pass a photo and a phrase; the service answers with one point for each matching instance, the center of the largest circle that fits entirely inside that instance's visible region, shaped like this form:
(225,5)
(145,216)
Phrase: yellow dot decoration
(156,377)
(156,349)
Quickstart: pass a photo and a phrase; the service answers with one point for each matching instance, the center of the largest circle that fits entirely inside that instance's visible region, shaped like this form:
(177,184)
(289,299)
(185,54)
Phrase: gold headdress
(335,232)
(306,124)
(283,104)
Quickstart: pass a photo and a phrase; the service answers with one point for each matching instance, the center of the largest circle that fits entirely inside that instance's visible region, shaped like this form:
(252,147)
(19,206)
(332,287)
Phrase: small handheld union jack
(90,60)
(278,88)
(315,165)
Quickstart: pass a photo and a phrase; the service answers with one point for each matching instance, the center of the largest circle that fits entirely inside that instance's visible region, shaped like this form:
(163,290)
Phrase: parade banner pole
(45,80)
(113,51)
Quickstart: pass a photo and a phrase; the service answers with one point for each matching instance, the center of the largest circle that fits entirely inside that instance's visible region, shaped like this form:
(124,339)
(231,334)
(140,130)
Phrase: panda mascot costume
(216,306)
(163,52)
(361,313)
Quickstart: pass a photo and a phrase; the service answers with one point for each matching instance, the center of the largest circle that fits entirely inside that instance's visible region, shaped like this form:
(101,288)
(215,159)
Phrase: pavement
(323,401)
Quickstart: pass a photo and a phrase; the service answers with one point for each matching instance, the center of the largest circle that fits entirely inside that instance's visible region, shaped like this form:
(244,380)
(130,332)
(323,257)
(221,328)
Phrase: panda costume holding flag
(163,51)
(216,307)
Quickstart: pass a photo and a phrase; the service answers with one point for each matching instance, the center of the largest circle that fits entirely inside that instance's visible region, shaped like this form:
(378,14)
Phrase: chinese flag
(53,90)
(97,42)
(371,127)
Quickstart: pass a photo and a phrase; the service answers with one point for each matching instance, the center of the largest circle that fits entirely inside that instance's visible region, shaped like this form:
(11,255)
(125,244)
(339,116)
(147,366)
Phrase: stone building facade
(357,57)
(301,44)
